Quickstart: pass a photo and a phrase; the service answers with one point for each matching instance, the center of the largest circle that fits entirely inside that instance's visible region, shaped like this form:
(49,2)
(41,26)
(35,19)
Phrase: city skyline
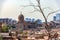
(29,19)
(12,8)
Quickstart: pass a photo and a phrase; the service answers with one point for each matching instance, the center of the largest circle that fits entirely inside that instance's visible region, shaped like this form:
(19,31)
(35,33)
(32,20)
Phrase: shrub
(4,28)
(1,37)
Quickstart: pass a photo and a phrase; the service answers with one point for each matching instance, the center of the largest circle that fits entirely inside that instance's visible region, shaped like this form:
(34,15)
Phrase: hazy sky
(12,8)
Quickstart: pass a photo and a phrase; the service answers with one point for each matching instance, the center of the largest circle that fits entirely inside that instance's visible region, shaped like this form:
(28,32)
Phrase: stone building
(21,24)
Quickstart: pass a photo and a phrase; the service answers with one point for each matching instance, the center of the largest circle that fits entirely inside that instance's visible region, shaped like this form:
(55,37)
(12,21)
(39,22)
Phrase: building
(28,19)
(38,21)
(5,20)
(21,24)
(33,20)
(27,24)
(54,18)
(57,20)
(58,16)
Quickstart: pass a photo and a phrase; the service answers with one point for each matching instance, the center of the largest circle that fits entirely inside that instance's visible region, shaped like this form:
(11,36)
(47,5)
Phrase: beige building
(21,24)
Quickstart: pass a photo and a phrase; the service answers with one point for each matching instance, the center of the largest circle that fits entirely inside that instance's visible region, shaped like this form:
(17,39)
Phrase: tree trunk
(46,23)
(43,15)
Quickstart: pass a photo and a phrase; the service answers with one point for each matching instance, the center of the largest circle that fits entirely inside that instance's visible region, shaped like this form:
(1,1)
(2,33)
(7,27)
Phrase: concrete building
(38,21)
(5,20)
(57,17)
(29,19)
(8,21)
(57,20)
(54,18)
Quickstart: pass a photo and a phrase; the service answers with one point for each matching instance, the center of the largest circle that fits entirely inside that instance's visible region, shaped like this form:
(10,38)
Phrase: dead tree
(39,9)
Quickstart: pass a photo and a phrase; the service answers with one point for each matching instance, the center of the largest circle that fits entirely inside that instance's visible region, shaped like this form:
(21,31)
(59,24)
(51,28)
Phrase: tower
(21,18)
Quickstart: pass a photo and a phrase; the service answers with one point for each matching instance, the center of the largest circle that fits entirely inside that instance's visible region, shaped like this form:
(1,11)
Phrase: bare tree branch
(34,6)
(33,11)
(24,6)
(48,8)
(28,5)
(39,8)
(39,5)
(52,13)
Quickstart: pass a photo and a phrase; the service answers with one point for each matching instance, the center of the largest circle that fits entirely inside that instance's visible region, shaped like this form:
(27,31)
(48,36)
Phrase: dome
(21,17)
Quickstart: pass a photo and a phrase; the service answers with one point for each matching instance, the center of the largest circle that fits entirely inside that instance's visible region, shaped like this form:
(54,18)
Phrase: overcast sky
(12,8)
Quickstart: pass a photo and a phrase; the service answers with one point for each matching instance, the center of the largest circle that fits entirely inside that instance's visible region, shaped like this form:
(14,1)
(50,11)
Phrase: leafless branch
(28,5)
(48,8)
(24,6)
(33,11)
(52,12)
(34,6)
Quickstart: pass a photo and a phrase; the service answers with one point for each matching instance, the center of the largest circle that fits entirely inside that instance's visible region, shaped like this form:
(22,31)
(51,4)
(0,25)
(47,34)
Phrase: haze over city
(29,19)
(12,8)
